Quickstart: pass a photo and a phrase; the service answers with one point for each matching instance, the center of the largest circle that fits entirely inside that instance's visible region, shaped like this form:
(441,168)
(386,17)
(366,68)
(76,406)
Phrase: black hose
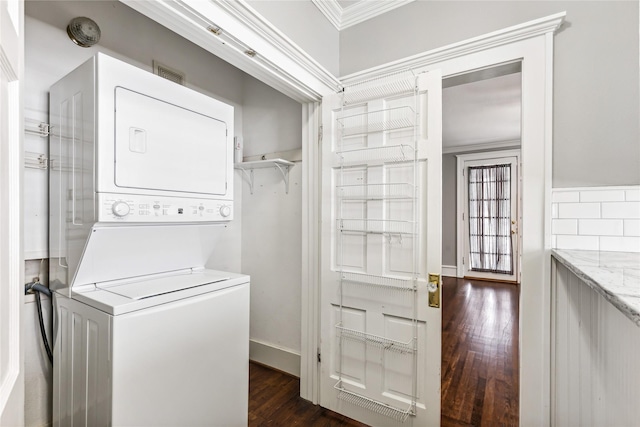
(37,288)
(41,288)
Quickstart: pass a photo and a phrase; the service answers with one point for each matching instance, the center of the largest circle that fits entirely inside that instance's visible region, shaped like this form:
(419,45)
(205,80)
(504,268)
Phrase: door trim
(462,203)
(11,214)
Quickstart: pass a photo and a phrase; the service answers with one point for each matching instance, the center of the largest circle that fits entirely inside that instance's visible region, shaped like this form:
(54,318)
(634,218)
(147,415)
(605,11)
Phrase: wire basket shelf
(383,154)
(381,281)
(372,405)
(377,121)
(376,226)
(386,191)
(376,340)
(380,88)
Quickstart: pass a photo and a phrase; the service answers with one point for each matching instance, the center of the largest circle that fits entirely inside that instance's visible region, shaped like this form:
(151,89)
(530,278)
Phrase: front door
(490,219)
(381,251)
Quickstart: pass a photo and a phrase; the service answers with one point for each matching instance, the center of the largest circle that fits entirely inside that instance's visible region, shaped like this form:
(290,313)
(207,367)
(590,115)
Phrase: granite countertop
(614,275)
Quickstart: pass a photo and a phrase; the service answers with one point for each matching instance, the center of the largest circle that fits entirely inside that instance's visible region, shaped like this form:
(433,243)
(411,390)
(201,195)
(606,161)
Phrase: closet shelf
(371,156)
(386,191)
(392,283)
(378,341)
(372,405)
(280,164)
(377,121)
(376,226)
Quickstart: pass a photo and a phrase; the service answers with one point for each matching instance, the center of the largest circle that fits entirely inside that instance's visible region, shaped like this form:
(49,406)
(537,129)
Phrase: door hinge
(319,357)
(320,134)
(463,216)
(462,260)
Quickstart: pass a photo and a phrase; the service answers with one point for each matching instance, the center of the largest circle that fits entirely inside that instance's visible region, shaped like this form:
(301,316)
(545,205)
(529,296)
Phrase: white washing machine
(165,351)
(141,186)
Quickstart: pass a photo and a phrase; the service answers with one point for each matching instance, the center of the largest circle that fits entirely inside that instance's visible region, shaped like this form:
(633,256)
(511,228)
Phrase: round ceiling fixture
(83,31)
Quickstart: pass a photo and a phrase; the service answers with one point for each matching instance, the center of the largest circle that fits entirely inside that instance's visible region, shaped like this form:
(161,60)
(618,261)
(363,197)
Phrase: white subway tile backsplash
(565,196)
(620,244)
(596,218)
(621,210)
(578,210)
(564,226)
(600,227)
(589,243)
(602,196)
(632,227)
(633,195)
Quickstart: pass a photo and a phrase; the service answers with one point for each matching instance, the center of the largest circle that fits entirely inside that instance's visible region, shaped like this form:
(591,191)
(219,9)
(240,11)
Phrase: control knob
(120,209)
(225,211)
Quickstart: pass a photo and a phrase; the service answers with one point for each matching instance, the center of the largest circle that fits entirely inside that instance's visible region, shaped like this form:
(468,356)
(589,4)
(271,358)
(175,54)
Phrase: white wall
(273,122)
(596,87)
(303,23)
(272,228)
(134,38)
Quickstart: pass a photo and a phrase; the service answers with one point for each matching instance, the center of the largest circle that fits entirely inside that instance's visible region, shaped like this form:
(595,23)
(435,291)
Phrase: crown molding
(342,18)
(485,146)
(545,25)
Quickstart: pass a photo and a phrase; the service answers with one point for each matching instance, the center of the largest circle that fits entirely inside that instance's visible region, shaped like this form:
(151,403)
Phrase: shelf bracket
(249,176)
(284,170)
(282,165)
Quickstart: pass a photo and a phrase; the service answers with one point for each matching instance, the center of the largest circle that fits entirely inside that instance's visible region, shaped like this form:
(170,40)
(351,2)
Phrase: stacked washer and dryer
(141,186)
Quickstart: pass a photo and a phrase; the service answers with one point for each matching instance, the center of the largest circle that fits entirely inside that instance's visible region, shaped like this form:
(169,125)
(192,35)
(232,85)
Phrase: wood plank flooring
(479,353)
(274,401)
(479,366)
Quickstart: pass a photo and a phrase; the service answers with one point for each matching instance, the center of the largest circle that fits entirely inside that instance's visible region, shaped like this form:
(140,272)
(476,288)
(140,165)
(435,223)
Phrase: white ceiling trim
(277,61)
(361,11)
(500,145)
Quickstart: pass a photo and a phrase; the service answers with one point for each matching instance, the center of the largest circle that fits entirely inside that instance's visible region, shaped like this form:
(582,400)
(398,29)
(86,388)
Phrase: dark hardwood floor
(479,366)
(274,400)
(479,353)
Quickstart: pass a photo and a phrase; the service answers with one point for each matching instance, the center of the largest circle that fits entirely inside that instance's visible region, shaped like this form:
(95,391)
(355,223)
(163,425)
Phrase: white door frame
(461,207)
(304,80)
(11,221)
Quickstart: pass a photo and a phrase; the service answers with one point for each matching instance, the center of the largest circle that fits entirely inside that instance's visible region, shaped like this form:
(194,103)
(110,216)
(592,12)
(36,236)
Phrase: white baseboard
(279,358)
(450,270)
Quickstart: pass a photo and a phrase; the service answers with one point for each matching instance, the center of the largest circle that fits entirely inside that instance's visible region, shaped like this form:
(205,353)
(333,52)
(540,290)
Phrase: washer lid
(153,287)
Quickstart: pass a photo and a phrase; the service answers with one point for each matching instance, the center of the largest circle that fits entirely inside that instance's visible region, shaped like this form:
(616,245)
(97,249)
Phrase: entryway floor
(479,353)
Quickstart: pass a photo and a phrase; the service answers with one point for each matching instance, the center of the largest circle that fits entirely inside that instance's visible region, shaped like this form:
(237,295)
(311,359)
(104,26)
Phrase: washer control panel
(135,208)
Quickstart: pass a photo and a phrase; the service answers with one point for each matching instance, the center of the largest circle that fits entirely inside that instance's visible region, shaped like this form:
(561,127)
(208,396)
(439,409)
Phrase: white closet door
(380,242)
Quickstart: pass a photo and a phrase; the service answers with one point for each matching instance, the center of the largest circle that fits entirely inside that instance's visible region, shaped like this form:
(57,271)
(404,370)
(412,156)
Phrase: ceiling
(482,110)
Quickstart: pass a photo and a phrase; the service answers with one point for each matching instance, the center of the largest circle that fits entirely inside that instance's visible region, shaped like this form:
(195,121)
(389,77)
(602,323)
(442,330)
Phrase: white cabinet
(595,368)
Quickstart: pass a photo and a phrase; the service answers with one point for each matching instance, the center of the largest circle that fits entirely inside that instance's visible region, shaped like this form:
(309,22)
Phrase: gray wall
(303,23)
(596,88)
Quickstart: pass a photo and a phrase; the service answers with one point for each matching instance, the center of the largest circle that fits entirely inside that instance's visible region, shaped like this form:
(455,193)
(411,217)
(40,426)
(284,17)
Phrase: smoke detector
(83,31)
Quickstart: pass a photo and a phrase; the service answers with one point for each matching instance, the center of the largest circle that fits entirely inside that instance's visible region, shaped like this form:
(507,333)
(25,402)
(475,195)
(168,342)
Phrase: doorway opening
(481,245)
(481,116)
